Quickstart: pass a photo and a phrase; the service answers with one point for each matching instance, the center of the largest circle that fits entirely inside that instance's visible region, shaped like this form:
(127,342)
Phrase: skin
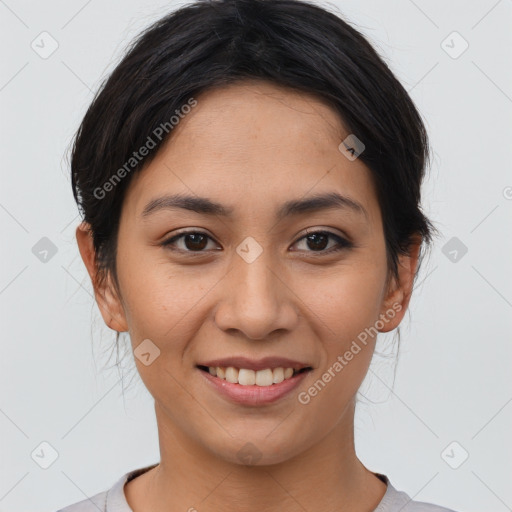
(252,146)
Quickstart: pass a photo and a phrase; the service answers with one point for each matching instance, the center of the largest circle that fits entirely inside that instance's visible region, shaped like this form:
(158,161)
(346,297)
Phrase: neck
(326,476)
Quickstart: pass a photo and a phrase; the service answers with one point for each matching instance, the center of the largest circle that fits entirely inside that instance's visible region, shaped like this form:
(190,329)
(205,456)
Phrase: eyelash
(341,245)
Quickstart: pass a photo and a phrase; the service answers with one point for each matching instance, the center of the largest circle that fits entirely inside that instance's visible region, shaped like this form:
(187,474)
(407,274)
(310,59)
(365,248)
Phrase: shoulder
(420,506)
(394,501)
(111,500)
(96,503)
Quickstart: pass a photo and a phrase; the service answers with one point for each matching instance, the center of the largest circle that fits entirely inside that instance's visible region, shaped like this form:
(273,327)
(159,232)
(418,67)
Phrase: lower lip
(254,395)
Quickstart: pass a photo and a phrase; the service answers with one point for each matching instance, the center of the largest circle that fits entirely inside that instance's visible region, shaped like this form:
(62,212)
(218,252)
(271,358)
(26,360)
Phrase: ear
(107,299)
(398,293)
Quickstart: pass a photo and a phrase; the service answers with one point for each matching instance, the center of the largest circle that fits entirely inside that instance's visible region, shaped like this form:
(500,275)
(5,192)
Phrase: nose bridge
(258,278)
(254,299)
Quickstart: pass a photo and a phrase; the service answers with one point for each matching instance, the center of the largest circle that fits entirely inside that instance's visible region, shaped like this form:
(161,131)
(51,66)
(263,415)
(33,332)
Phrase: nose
(256,300)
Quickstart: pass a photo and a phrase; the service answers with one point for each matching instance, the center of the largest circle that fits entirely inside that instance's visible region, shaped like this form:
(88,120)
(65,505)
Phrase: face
(267,273)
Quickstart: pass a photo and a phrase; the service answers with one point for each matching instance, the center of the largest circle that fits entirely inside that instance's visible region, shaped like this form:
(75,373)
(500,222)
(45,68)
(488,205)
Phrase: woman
(249,178)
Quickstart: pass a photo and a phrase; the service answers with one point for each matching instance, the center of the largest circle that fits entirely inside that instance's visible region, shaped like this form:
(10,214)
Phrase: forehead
(255,106)
(253,145)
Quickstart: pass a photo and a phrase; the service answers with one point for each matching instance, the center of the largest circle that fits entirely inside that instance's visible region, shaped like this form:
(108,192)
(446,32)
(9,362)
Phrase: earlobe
(400,289)
(106,297)
(393,307)
(110,307)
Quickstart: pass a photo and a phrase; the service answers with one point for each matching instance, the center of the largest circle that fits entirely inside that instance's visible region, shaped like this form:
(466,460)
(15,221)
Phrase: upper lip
(256,364)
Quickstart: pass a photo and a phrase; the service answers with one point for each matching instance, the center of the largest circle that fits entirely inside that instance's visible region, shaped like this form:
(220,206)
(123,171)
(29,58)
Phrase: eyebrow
(205,206)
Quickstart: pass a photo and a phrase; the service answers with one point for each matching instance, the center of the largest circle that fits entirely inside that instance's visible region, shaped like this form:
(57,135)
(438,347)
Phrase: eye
(193,241)
(197,241)
(318,241)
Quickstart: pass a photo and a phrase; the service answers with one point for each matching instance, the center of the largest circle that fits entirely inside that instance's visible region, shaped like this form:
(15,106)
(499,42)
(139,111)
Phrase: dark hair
(290,43)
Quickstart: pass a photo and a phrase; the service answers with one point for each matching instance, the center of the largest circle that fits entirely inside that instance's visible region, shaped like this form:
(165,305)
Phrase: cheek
(345,301)
(160,298)
(344,307)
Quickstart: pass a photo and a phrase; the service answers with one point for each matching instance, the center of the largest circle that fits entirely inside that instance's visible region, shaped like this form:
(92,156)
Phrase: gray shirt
(114,499)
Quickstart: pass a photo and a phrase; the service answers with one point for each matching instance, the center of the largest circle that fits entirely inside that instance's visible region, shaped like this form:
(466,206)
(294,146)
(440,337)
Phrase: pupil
(317,246)
(196,238)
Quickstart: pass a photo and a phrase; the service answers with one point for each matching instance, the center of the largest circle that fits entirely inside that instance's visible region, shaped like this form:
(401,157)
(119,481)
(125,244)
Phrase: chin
(254,450)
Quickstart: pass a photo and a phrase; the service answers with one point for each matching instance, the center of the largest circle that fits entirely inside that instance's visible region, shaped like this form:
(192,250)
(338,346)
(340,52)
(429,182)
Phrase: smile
(261,392)
(248,377)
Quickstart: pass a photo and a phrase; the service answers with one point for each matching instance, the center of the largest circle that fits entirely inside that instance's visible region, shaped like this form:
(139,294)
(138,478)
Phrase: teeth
(264,377)
(247,377)
(231,374)
(278,375)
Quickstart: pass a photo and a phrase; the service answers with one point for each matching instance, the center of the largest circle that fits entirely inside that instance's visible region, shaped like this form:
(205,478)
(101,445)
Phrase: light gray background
(453,378)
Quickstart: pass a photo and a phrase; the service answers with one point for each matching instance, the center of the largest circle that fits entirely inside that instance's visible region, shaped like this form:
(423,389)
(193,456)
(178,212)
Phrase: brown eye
(317,241)
(193,241)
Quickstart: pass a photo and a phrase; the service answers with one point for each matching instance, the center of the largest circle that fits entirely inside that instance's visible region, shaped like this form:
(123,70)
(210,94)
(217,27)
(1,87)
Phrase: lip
(254,395)
(256,364)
